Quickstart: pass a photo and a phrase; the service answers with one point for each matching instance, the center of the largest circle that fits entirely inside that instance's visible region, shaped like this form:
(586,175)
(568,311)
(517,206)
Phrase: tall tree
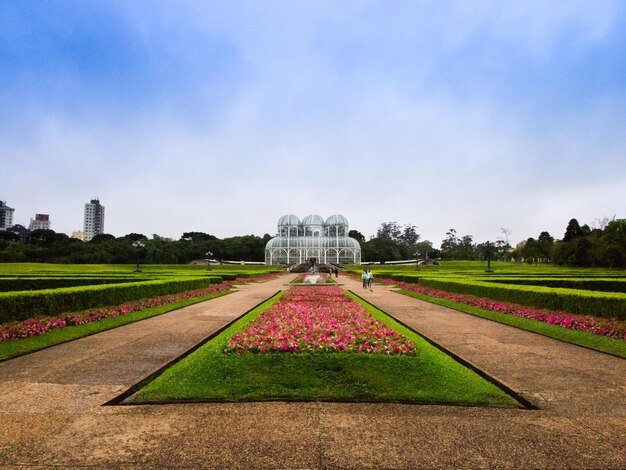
(572,231)
(450,244)
(389,231)
(545,243)
(358,236)
(409,236)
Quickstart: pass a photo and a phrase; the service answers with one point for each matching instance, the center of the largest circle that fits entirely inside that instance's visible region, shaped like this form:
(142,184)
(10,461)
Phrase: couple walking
(367,277)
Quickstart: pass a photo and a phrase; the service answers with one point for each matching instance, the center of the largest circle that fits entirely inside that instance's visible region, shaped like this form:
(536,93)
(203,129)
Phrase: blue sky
(221,117)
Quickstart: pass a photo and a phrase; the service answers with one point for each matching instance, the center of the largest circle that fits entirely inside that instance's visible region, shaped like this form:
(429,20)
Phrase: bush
(28,304)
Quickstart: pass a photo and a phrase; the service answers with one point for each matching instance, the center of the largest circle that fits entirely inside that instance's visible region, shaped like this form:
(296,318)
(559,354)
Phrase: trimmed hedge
(38,283)
(22,305)
(412,278)
(604,304)
(232,275)
(604,285)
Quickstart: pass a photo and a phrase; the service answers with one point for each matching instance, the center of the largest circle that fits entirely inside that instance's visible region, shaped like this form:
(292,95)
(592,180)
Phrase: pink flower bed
(612,328)
(37,326)
(318,319)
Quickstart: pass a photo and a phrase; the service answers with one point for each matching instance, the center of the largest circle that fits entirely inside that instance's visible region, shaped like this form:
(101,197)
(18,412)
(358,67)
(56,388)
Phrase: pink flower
(317,320)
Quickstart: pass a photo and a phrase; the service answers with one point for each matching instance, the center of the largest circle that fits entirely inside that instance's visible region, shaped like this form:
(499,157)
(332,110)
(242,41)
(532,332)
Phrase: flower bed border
(16,348)
(584,339)
(588,323)
(36,326)
(22,346)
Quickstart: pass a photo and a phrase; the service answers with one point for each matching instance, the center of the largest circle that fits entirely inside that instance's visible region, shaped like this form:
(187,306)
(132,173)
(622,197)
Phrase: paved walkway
(50,411)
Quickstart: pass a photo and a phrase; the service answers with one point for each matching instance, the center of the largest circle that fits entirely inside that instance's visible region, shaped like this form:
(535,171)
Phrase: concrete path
(50,411)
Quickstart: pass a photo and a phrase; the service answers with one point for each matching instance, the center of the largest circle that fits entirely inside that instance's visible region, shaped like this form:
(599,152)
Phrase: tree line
(603,246)
(581,246)
(51,247)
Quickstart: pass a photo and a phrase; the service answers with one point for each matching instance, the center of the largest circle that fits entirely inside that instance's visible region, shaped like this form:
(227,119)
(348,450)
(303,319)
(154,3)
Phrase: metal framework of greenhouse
(326,241)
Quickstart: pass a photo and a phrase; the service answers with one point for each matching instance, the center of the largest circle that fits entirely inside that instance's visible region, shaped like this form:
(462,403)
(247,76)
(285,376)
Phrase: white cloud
(336,113)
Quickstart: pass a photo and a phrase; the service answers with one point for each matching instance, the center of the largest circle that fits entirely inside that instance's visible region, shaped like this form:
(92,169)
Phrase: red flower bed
(612,328)
(37,326)
(318,319)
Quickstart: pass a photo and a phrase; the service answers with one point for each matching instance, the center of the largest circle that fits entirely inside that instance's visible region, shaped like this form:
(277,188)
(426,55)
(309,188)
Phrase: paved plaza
(51,403)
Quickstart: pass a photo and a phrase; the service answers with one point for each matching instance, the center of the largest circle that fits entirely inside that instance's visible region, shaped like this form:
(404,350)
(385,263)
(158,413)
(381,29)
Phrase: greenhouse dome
(337,219)
(326,242)
(313,220)
(288,220)
(313,226)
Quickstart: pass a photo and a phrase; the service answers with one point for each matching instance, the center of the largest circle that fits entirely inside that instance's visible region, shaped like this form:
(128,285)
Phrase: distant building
(40,222)
(20,230)
(78,234)
(6,216)
(94,220)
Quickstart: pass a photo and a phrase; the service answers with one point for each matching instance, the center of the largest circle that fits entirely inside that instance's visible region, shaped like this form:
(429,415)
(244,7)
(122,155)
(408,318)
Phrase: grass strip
(431,376)
(581,338)
(20,347)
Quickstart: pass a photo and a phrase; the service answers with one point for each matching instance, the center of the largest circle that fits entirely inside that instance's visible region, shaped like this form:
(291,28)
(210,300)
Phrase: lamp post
(138,245)
(488,253)
(208,260)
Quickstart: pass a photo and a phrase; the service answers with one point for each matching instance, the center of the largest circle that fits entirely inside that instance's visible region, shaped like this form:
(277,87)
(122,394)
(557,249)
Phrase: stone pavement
(51,413)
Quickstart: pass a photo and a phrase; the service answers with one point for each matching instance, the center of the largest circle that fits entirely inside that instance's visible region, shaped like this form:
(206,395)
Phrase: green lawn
(431,376)
(477,268)
(581,338)
(148,270)
(19,347)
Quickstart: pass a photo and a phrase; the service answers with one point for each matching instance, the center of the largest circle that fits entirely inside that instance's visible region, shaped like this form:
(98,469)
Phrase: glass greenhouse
(325,241)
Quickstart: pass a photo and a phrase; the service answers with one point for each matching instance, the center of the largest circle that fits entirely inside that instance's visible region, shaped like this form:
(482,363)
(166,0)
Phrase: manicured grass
(477,268)
(581,338)
(14,348)
(148,270)
(208,374)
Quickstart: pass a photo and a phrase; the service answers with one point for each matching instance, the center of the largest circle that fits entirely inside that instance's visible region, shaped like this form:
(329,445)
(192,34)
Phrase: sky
(222,116)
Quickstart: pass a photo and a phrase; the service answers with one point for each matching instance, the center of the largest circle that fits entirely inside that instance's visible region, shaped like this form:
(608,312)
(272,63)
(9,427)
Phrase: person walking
(370,280)
(365,279)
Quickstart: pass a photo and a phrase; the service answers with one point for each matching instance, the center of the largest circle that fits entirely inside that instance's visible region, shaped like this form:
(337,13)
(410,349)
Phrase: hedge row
(38,283)
(247,274)
(603,304)
(412,278)
(22,305)
(604,285)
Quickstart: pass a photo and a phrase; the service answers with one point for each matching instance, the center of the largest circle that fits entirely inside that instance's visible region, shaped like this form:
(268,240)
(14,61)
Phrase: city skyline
(221,118)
